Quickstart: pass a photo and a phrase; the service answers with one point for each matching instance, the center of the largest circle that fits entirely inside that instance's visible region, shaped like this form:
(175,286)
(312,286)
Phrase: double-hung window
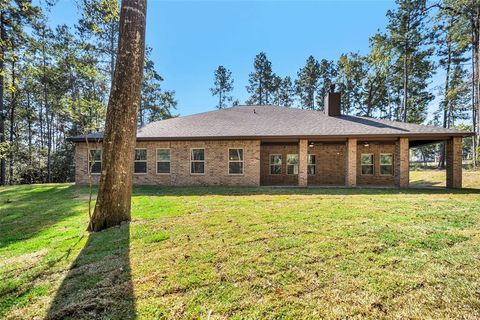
(386,164)
(311,164)
(197,161)
(235,161)
(163,161)
(95,161)
(140,163)
(366,162)
(275,164)
(292,163)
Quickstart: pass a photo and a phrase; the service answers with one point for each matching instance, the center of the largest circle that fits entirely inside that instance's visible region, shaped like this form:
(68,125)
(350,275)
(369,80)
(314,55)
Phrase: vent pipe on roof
(332,103)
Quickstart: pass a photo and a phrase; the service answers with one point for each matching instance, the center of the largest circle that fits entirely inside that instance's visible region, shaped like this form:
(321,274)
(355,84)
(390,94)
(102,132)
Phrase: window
(366,162)
(235,161)
(275,164)
(197,161)
(292,163)
(386,164)
(95,161)
(311,164)
(140,162)
(163,161)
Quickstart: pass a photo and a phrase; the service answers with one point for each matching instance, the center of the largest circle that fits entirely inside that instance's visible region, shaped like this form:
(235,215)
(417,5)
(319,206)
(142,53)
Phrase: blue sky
(191,38)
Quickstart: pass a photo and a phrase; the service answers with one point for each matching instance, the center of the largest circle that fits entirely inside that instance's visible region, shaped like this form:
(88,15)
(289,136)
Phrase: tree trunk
(476,45)
(474,92)
(29,127)
(13,106)
(112,50)
(45,106)
(405,84)
(49,144)
(115,187)
(406,73)
(446,102)
(2,107)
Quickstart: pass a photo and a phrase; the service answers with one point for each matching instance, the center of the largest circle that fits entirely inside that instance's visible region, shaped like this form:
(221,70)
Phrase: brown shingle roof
(273,122)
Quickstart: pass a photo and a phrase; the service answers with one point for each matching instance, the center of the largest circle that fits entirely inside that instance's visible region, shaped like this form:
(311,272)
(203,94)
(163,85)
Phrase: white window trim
(101,162)
(270,164)
(392,165)
(239,161)
(157,161)
(373,165)
(146,163)
(286,165)
(204,162)
(314,165)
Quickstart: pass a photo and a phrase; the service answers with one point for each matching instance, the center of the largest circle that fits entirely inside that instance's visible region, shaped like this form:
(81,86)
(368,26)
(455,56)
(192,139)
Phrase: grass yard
(243,253)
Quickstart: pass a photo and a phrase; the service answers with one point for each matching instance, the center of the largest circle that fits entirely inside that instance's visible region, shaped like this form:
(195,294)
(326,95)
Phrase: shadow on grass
(98,284)
(246,191)
(27,210)
(426,183)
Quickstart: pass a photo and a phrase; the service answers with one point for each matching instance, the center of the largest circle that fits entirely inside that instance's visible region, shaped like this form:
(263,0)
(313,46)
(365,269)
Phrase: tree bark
(2,107)
(405,84)
(476,45)
(115,187)
(13,106)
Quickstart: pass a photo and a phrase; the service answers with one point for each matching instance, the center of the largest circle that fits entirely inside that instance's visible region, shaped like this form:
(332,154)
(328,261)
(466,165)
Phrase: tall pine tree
(262,81)
(307,83)
(223,86)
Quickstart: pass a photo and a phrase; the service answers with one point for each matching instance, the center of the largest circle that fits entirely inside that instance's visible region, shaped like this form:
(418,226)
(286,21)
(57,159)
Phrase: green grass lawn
(243,253)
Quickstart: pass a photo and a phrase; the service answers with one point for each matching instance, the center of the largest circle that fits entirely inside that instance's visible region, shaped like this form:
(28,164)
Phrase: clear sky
(191,38)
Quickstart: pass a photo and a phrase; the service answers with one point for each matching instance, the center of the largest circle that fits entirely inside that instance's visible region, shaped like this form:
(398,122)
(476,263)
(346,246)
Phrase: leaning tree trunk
(115,188)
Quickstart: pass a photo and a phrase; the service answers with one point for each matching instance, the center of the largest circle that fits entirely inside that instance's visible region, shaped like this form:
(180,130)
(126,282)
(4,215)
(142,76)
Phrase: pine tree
(223,86)
(328,72)
(14,17)
(411,48)
(467,13)
(350,76)
(285,94)
(115,187)
(155,104)
(262,81)
(307,83)
(452,49)
(99,22)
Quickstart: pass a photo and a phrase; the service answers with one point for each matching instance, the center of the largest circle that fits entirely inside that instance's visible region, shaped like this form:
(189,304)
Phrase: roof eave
(438,136)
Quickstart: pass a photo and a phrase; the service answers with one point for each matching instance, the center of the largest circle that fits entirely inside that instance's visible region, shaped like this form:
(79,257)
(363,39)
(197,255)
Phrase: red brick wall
(266,179)
(330,164)
(216,163)
(376,148)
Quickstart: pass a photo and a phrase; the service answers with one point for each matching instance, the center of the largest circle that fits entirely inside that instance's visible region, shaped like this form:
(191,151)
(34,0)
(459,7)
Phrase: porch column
(454,162)
(302,165)
(402,165)
(351,163)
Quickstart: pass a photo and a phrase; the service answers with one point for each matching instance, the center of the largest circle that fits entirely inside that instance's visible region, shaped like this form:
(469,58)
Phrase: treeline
(393,80)
(54,83)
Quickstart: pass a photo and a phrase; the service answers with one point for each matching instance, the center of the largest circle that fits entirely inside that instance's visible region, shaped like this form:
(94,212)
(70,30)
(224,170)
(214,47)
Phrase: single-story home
(275,146)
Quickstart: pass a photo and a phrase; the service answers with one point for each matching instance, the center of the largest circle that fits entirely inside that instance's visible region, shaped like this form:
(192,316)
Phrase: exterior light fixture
(311,145)
(366,144)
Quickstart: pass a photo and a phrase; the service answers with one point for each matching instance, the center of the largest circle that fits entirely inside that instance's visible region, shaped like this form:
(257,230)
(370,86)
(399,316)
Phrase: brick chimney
(332,103)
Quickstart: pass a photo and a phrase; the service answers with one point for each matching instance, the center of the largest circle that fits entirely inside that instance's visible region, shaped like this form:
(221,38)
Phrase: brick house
(270,145)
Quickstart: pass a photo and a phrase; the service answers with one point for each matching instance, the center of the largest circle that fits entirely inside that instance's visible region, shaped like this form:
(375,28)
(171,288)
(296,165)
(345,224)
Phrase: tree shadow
(98,284)
(422,183)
